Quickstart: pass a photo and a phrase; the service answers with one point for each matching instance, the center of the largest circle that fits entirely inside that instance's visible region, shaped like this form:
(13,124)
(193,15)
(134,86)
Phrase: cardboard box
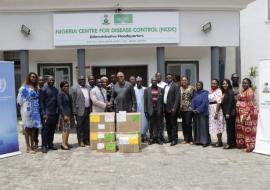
(106,147)
(129,143)
(128,122)
(102,122)
(93,145)
(96,137)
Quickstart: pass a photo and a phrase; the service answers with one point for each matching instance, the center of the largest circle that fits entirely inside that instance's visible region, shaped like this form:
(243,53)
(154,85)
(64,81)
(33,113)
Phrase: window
(268,10)
(60,72)
(189,69)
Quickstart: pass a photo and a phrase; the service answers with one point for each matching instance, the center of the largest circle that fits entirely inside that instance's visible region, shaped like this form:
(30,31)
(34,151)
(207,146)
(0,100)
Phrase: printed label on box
(121,117)
(100,146)
(100,135)
(93,136)
(94,118)
(101,126)
(133,140)
(135,118)
(110,146)
(109,118)
(123,140)
(109,137)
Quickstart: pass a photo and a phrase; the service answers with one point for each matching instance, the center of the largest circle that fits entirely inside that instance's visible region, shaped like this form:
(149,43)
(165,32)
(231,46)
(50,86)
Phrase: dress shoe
(151,142)
(81,144)
(44,150)
(167,141)
(160,142)
(69,146)
(52,148)
(87,143)
(228,147)
(173,143)
(205,145)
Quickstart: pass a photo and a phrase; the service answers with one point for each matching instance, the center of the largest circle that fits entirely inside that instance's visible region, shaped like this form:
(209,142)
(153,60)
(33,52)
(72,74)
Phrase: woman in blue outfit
(200,118)
(28,100)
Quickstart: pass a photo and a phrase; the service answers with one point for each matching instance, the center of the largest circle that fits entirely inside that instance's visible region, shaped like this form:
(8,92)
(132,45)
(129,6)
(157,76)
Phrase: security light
(25,30)
(207,27)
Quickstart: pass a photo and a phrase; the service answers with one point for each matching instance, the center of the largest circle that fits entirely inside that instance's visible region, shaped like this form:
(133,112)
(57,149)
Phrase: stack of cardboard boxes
(102,132)
(128,127)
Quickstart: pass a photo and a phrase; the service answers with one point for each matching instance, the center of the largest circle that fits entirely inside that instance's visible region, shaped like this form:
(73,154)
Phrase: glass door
(184,68)
(59,72)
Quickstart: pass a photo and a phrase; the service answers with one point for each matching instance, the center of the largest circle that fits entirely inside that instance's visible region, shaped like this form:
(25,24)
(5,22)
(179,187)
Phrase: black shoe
(151,142)
(167,141)
(87,143)
(173,143)
(228,147)
(52,148)
(205,145)
(44,150)
(160,142)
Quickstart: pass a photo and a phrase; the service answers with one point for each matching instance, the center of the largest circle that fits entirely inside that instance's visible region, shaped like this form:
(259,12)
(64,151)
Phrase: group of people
(203,113)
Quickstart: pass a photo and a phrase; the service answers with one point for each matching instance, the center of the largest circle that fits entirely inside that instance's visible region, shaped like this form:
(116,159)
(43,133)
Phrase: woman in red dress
(246,119)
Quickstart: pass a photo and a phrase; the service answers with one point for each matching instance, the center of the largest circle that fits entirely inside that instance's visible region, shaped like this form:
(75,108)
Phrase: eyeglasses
(66,86)
(120,76)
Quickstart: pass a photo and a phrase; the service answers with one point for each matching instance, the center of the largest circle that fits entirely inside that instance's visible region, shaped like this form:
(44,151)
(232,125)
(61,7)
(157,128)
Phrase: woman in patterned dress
(216,118)
(186,110)
(64,102)
(28,100)
(246,117)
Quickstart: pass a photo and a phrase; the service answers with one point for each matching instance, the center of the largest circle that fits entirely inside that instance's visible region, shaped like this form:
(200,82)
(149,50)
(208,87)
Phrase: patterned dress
(246,132)
(28,99)
(215,125)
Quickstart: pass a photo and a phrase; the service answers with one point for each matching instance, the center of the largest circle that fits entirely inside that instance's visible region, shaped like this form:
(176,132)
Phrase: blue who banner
(9,144)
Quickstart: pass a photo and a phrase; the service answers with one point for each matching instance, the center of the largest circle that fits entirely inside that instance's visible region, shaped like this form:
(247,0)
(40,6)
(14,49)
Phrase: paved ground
(156,167)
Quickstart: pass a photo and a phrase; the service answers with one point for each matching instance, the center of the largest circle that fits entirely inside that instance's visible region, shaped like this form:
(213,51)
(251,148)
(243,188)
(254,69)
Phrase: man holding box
(123,96)
(153,108)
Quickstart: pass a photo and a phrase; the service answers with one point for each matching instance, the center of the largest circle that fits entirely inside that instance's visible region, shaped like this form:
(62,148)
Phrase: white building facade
(201,53)
(255,35)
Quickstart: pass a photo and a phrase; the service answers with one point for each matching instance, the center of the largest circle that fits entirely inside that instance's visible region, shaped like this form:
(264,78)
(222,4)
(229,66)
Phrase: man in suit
(81,107)
(49,110)
(123,96)
(153,108)
(171,102)
(98,96)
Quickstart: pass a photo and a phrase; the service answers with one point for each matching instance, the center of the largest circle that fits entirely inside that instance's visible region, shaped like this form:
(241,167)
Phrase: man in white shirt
(171,102)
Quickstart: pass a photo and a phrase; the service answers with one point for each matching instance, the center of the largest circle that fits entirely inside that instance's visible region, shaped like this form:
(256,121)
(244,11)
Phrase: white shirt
(166,90)
(86,97)
(161,84)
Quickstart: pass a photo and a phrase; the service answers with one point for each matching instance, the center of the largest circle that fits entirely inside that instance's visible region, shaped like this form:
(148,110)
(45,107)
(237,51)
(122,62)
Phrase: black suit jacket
(64,104)
(148,104)
(228,103)
(173,98)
